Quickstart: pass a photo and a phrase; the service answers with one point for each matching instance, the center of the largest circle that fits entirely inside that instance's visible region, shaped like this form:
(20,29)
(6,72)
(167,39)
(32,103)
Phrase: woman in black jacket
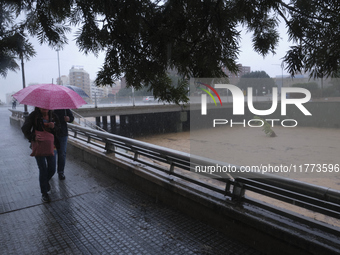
(42,119)
(65,116)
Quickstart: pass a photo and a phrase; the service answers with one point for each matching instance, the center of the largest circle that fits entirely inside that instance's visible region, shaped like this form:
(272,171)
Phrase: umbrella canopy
(49,96)
(78,90)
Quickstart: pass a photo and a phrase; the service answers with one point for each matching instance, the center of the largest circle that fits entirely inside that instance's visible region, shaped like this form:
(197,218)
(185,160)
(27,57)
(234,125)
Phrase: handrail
(309,196)
(87,122)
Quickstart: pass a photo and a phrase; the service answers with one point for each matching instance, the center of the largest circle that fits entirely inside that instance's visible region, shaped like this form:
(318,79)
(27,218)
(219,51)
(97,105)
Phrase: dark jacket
(63,131)
(34,121)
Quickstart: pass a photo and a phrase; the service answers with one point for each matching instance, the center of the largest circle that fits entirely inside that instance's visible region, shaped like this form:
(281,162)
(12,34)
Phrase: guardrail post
(227,188)
(113,123)
(109,147)
(238,191)
(172,167)
(98,121)
(104,118)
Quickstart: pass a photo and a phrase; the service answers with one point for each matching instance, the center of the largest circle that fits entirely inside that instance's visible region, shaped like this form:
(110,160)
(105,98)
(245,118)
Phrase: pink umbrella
(49,96)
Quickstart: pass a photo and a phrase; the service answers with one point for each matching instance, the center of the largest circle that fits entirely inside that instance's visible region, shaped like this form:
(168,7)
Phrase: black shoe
(61,176)
(45,198)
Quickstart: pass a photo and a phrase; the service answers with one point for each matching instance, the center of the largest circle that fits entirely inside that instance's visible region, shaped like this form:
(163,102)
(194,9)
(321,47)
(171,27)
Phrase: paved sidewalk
(89,213)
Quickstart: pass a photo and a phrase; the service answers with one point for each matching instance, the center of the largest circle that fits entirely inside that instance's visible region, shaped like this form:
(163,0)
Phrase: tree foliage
(13,42)
(258,80)
(143,39)
(314,27)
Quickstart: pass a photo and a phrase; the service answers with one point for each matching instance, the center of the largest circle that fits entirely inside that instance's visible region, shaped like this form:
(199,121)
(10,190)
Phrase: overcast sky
(44,67)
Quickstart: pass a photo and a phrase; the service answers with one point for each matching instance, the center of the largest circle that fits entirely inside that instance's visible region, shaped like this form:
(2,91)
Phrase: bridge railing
(234,187)
(84,122)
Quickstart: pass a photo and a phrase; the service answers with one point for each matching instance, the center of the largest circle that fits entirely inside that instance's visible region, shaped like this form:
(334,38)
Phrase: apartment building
(235,77)
(80,78)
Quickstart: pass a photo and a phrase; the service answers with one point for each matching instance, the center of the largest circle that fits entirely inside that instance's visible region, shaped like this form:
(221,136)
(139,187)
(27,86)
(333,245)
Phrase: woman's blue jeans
(47,168)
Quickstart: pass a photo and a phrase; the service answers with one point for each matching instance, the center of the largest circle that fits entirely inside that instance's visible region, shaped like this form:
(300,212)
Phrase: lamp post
(21,55)
(23,82)
(59,81)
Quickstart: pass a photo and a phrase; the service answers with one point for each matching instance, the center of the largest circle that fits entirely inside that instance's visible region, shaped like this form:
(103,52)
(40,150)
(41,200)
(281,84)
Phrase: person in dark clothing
(14,104)
(65,116)
(42,119)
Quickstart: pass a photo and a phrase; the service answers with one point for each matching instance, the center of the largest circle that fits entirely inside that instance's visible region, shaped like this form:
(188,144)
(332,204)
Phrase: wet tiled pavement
(90,213)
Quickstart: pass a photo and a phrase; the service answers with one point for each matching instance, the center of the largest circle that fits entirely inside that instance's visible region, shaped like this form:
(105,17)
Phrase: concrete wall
(15,121)
(150,123)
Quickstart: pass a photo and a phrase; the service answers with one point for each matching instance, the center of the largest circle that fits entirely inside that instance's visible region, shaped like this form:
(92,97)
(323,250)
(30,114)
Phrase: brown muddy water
(299,146)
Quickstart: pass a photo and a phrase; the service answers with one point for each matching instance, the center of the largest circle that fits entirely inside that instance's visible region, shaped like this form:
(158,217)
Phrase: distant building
(99,92)
(235,77)
(80,78)
(63,80)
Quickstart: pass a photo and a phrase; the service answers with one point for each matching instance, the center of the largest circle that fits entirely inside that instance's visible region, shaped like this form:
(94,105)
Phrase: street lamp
(59,81)
(23,82)
(21,55)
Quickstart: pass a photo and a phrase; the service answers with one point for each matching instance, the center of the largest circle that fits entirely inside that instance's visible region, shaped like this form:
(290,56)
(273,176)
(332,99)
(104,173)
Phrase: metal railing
(84,122)
(316,198)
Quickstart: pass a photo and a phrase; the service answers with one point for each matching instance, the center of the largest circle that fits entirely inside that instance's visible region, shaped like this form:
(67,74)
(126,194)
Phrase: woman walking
(43,120)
